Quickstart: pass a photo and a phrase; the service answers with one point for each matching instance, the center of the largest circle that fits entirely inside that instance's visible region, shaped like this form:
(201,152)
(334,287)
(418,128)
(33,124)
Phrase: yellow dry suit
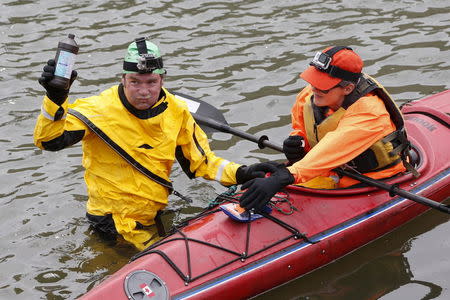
(128,158)
(384,153)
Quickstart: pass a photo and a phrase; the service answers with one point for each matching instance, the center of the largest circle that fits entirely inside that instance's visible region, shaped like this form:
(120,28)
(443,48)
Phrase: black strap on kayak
(297,234)
(228,196)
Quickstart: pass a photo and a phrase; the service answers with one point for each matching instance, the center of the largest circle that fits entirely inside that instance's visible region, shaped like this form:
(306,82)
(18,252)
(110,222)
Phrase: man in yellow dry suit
(131,133)
(343,118)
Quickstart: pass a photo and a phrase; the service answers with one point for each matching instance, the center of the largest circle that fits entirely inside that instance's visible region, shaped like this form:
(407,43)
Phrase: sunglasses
(327,91)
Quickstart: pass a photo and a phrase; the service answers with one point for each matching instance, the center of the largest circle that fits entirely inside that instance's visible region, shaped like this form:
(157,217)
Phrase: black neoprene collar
(146,113)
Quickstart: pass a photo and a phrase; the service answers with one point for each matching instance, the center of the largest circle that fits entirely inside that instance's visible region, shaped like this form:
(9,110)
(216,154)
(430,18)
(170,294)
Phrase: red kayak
(216,257)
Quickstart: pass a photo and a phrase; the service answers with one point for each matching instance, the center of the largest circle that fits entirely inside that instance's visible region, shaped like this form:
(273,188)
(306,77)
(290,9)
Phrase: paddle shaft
(263,141)
(393,190)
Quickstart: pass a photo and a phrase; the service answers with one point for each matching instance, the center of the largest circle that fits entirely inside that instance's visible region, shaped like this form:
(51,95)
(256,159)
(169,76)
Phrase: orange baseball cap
(333,65)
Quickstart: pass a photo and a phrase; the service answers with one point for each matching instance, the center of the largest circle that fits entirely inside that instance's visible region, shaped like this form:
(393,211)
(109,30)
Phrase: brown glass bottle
(65,60)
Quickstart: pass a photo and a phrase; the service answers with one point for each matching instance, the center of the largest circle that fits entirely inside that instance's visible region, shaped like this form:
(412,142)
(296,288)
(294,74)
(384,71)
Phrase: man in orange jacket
(342,118)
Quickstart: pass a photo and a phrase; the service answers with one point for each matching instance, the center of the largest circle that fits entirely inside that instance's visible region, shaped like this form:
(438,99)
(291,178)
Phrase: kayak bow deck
(216,257)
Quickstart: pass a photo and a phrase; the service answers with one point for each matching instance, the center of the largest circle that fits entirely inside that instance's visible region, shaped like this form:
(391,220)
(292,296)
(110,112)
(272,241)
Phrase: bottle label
(64,66)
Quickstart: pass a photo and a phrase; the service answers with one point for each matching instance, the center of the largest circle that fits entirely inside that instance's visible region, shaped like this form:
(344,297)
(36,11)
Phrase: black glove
(261,190)
(57,95)
(293,148)
(246,173)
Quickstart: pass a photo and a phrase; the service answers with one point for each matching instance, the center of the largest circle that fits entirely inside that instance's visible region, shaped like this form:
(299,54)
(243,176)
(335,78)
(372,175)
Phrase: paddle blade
(199,108)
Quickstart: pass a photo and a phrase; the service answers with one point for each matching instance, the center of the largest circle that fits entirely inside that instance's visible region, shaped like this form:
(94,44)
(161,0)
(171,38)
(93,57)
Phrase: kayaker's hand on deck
(246,173)
(261,190)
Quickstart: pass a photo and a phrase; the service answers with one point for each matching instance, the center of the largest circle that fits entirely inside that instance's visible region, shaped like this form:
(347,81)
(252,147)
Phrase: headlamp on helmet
(143,57)
(321,61)
(147,63)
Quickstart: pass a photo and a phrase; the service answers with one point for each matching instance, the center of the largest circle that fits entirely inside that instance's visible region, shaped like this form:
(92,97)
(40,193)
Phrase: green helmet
(143,57)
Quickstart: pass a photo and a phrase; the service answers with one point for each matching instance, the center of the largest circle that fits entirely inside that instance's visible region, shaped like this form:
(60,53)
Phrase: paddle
(212,119)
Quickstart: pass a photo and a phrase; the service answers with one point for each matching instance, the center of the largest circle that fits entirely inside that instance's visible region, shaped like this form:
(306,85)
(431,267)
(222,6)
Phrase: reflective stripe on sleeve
(48,115)
(221,169)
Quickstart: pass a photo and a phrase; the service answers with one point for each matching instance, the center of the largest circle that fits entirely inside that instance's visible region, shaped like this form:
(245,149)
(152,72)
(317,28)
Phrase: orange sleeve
(298,124)
(364,123)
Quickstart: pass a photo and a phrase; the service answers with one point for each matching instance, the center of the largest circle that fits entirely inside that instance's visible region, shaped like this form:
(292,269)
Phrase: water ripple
(239,56)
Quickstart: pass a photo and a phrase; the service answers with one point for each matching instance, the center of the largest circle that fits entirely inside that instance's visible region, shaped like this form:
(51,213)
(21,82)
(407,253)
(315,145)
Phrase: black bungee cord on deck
(229,196)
